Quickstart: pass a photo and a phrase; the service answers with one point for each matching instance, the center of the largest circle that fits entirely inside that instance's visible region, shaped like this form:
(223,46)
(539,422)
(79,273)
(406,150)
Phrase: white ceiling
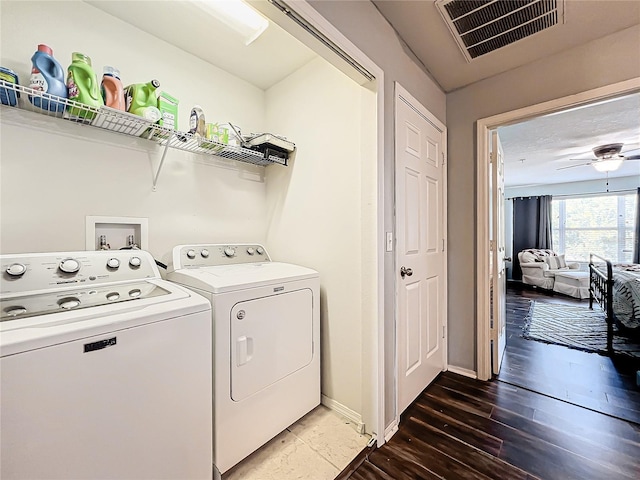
(535,149)
(422,28)
(263,63)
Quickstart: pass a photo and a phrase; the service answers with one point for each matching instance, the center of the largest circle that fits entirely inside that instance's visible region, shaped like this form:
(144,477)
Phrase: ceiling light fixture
(237,15)
(607,165)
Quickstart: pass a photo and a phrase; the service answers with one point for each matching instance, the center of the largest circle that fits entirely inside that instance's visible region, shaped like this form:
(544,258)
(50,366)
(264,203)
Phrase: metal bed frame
(601,290)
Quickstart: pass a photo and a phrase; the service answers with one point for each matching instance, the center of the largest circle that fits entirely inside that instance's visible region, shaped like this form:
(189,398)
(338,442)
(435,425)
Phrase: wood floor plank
(461,400)
(455,427)
(367,471)
(394,463)
(522,450)
(473,457)
(415,450)
(611,458)
(477,388)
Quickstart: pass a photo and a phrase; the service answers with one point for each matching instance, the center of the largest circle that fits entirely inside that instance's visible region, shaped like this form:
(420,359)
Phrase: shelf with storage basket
(18,97)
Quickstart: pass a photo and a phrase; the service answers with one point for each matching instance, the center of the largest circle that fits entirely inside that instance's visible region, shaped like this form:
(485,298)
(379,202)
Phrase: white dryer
(266,349)
(105,369)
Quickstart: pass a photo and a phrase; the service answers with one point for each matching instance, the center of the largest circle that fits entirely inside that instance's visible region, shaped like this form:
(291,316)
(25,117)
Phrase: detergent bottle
(142,99)
(47,76)
(83,85)
(112,91)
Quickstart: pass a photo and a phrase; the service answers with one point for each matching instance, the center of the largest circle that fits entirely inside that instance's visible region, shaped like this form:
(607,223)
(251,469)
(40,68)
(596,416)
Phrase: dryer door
(271,338)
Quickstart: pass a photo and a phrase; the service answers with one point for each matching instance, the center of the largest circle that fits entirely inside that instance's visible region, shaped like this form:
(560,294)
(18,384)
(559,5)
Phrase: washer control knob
(113,296)
(135,262)
(69,265)
(15,311)
(69,303)
(113,263)
(135,293)
(251,251)
(16,269)
(260,250)
(191,254)
(204,252)
(230,252)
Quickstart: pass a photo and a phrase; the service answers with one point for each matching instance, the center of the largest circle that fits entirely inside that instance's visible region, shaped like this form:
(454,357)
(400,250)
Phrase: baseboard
(346,412)
(462,371)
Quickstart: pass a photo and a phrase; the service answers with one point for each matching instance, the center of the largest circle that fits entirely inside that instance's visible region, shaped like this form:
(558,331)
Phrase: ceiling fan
(608,158)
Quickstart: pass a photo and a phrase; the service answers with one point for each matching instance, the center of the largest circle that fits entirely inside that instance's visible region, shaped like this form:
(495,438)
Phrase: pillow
(528,257)
(555,262)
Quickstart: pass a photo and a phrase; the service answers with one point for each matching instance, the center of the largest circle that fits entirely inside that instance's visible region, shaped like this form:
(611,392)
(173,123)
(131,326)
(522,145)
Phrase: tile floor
(317,447)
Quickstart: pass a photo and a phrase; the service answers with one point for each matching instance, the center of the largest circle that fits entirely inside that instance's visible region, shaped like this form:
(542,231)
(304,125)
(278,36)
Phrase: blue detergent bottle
(47,76)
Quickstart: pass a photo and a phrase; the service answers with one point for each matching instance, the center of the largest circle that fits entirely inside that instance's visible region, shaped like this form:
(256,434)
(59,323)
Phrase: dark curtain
(531,227)
(636,237)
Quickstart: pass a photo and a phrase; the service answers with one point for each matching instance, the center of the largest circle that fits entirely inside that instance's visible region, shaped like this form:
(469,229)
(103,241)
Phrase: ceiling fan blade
(632,157)
(583,160)
(573,166)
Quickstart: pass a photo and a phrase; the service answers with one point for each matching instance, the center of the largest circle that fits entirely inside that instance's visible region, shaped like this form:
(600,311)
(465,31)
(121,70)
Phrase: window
(600,224)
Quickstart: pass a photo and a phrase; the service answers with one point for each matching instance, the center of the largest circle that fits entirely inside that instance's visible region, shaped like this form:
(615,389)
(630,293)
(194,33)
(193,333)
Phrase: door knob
(507,259)
(405,271)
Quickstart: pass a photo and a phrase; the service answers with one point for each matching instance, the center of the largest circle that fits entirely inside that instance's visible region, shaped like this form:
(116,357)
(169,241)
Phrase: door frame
(374,356)
(401,92)
(483,127)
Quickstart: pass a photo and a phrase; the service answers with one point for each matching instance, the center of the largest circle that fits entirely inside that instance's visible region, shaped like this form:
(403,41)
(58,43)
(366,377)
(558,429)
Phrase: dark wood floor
(587,379)
(552,413)
(460,428)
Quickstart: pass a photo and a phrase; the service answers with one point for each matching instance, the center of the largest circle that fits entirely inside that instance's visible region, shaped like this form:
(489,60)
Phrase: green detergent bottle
(83,86)
(142,99)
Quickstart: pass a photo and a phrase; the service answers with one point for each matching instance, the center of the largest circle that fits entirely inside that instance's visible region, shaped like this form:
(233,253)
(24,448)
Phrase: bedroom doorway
(519,300)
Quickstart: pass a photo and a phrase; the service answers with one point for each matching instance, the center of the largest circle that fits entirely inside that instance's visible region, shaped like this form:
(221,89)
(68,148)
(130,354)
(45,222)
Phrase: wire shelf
(194,143)
(125,123)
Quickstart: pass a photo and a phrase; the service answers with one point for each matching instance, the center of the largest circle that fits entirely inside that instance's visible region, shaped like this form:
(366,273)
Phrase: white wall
(316,213)
(602,62)
(365,27)
(51,182)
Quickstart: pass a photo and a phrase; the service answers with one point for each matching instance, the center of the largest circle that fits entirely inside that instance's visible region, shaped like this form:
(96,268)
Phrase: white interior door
(497,258)
(420,257)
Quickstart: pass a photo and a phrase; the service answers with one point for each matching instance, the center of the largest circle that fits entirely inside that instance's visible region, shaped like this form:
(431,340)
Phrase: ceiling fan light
(607,165)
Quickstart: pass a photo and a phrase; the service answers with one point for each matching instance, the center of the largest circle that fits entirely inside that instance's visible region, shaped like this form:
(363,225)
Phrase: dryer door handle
(244,350)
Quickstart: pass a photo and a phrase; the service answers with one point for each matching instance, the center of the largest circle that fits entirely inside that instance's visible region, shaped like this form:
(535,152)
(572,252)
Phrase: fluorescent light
(608,165)
(237,15)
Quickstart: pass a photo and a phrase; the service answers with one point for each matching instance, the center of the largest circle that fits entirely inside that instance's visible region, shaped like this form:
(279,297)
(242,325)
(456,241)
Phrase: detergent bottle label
(38,82)
(71,85)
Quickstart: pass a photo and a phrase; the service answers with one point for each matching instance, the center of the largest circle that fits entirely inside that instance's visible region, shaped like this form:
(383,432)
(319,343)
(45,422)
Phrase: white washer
(266,330)
(105,369)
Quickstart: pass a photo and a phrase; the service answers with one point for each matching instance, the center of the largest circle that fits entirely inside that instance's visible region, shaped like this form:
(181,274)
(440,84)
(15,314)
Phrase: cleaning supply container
(168,107)
(47,76)
(7,95)
(83,86)
(142,99)
(112,90)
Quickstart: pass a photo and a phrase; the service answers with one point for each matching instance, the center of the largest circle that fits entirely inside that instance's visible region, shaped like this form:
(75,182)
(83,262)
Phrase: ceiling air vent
(482,26)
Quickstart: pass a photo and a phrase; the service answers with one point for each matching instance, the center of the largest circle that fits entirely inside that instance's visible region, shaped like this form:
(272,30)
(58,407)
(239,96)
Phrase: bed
(616,288)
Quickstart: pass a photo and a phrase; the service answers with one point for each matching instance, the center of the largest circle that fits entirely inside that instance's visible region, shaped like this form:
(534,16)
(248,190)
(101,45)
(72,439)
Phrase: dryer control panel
(209,255)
